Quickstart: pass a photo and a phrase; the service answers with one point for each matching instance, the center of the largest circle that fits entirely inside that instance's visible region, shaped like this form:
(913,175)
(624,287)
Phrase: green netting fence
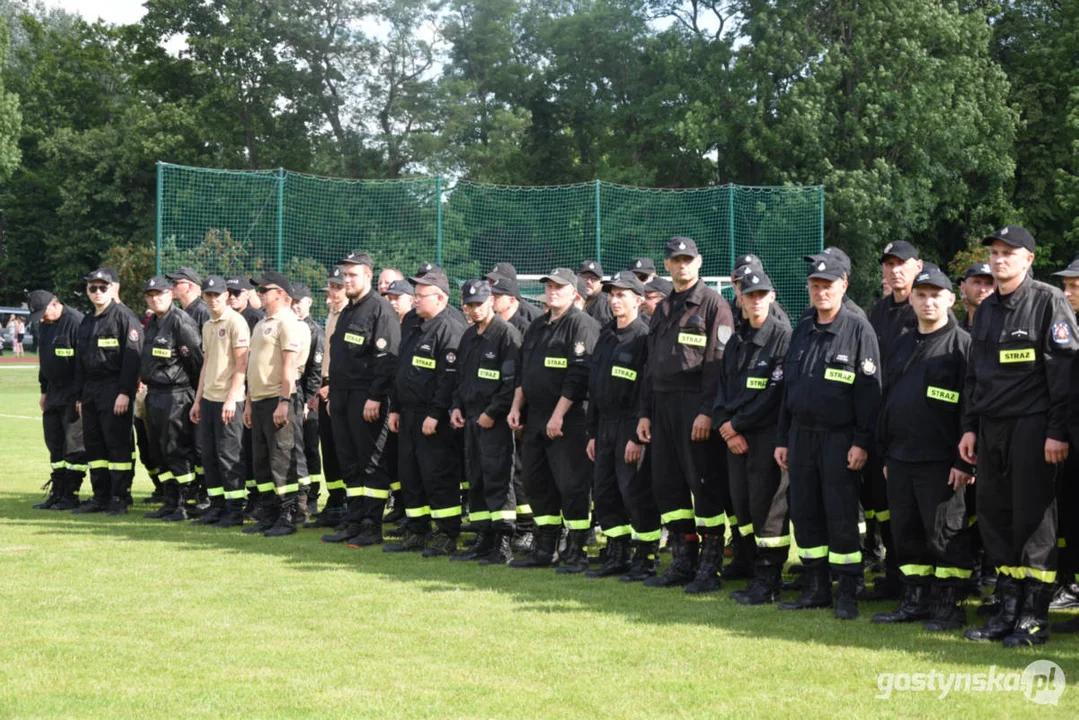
(236,222)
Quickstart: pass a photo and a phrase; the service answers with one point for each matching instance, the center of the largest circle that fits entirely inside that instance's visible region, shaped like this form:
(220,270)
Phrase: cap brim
(556,280)
(608,286)
(824,275)
(1067,273)
(1007,241)
(37,315)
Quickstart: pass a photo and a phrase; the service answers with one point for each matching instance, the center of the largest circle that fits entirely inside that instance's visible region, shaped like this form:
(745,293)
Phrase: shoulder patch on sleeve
(868,366)
(1062,334)
(723,334)
(133,335)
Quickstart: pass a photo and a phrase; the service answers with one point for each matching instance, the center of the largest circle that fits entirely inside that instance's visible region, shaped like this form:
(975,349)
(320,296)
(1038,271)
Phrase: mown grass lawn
(124,617)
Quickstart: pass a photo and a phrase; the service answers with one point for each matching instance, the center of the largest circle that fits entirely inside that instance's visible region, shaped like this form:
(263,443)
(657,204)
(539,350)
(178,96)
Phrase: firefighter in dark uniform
(363,362)
(107,376)
(844,262)
(595,302)
(1016,433)
(427,463)
(745,415)
(552,386)
(310,381)
(270,406)
(685,349)
(488,362)
(827,423)
(644,268)
(456,315)
(170,368)
(240,290)
(918,431)
(219,406)
(334,510)
(58,338)
(655,290)
(507,302)
(1067,594)
(621,481)
(401,296)
(746,265)
(977,284)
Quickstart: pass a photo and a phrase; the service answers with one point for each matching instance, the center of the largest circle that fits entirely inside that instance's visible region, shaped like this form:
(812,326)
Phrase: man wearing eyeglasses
(363,359)
(187,288)
(240,292)
(270,410)
(106,378)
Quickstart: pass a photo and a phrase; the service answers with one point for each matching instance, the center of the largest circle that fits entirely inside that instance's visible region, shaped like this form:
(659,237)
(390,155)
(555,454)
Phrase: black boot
(709,566)
(349,527)
(643,565)
(764,588)
(286,518)
(170,497)
(213,515)
(501,550)
(618,559)
(55,488)
(889,587)
(267,515)
(913,606)
(1032,627)
(1002,623)
(117,506)
(991,605)
(683,567)
(545,550)
(330,516)
(69,497)
(93,505)
(395,512)
(846,604)
(482,547)
(947,614)
(411,542)
(1066,597)
(440,544)
(370,534)
(741,566)
(816,589)
(576,558)
(523,542)
(233,516)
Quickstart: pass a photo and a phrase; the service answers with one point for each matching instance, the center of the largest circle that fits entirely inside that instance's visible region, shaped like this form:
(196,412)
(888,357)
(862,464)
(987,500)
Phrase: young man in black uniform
(622,482)
(333,512)
(107,376)
(655,290)
(918,431)
(402,298)
(827,423)
(308,387)
(170,367)
(644,268)
(56,376)
(489,360)
(363,362)
(745,415)
(977,284)
(595,303)
(1016,432)
(1067,595)
(553,383)
(689,480)
(427,462)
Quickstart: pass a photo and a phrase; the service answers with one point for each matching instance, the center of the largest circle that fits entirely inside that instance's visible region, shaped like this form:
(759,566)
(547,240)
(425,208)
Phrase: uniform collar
(837,325)
(764,333)
(1010,300)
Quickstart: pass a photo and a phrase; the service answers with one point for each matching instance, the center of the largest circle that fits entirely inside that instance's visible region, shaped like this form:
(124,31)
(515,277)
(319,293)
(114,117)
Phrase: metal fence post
(280,218)
(438,220)
(730,225)
(599,223)
(157,235)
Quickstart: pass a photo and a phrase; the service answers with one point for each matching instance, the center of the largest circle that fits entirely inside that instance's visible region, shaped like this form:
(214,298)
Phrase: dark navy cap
(627,280)
(1013,235)
(826,267)
(742,262)
(185,273)
(475,291)
(272,277)
(660,285)
(428,267)
(334,277)
(979,268)
(932,275)
(1071,271)
(238,283)
(900,249)
(590,266)
(643,266)
(756,281)
(37,302)
(562,276)
(156,284)
(105,275)
(434,279)
(400,287)
(300,291)
(503,269)
(681,245)
(504,285)
(357,257)
(215,284)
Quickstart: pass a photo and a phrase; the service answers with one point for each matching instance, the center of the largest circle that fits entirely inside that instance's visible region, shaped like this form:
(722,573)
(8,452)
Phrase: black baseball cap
(156,284)
(749,260)
(185,273)
(400,287)
(215,284)
(643,266)
(831,251)
(582,287)
(105,275)
(503,269)
(475,291)
(900,249)
(357,257)
(238,283)
(504,285)
(334,276)
(1071,271)
(627,280)
(756,281)
(429,267)
(826,267)
(1012,235)
(979,268)
(300,291)
(660,285)
(37,302)
(681,245)
(562,276)
(434,279)
(272,277)
(590,266)
(932,275)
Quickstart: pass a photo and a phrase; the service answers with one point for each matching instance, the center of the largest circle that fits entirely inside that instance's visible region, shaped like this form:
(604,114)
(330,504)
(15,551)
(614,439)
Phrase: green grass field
(125,617)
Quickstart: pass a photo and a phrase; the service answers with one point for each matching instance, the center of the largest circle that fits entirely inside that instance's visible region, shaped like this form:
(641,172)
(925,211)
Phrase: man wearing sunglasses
(240,297)
(270,410)
(106,378)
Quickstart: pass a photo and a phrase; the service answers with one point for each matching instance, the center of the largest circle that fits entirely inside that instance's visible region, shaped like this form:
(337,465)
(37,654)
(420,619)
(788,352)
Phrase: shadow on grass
(545,591)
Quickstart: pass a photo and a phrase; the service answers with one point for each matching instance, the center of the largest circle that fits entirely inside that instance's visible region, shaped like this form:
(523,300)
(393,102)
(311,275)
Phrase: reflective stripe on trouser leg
(824,497)
(759,491)
(488,465)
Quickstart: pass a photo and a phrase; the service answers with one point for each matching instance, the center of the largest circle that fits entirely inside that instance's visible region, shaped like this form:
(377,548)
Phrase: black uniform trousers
(109,441)
(247,461)
(142,442)
(222,451)
(824,499)
(430,474)
(63,438)
(930,523)
(556,473)
(331,466)
(759,495)
(360,446)
(312,457)
(622,493)
(170,434)
(489,456)
(525,523)
(689,479)
(274,451)
(1017,507)
(297,467)
(1068,517)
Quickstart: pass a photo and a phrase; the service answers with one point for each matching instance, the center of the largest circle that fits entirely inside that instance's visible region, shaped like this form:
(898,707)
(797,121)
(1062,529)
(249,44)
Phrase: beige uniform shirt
(303,336)
(220,338)
(270,340)
(331,325)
